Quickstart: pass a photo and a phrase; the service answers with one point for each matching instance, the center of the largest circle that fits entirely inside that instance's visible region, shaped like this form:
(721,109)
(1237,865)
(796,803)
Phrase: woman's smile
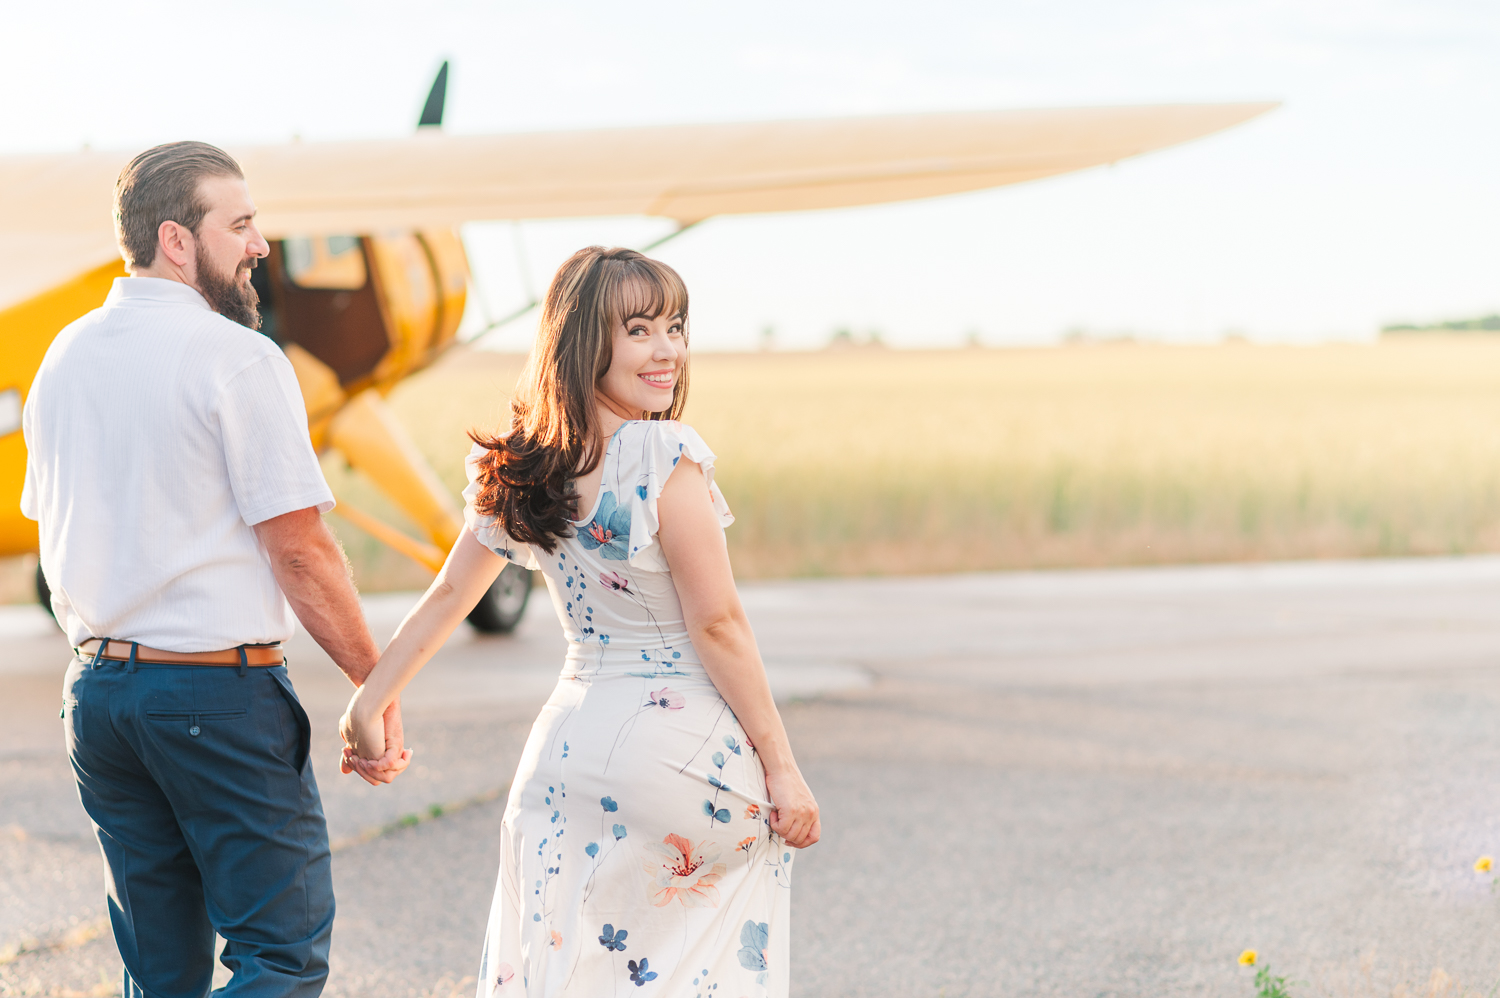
(659,379)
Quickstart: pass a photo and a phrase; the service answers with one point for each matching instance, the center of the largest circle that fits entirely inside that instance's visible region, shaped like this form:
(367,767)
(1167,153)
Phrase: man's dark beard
(225,295)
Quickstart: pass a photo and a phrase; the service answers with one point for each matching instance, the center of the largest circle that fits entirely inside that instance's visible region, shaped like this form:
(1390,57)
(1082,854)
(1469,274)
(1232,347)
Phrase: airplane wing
(55,209)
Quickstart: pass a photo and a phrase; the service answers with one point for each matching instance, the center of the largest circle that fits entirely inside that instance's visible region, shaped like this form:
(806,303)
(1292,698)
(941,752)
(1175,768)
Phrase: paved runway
(1070,783)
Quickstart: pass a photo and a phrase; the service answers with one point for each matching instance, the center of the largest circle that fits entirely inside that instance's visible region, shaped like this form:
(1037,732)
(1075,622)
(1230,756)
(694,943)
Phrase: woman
(648,837)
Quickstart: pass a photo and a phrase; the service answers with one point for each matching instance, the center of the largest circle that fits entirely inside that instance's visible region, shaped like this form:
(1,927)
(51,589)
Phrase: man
(179,502)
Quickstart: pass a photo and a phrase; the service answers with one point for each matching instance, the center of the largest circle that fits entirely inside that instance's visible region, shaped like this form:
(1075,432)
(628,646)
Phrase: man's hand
(374,747)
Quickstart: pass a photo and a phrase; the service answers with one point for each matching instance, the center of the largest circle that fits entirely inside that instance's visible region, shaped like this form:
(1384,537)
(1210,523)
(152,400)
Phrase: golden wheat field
(867,461)
(870,461)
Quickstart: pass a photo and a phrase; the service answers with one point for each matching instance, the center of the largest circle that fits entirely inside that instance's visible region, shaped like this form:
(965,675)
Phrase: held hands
(796,816)
(373,746)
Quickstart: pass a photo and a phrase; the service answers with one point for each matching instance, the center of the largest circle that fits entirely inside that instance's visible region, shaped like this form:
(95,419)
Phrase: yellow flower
(1483,864)
(1247,958)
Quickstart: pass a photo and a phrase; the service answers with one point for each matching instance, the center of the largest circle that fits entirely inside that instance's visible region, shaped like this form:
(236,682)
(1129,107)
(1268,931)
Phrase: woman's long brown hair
(554,426)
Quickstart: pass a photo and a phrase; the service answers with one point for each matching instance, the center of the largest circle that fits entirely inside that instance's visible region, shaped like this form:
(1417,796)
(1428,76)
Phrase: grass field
(867,461)
(877,461)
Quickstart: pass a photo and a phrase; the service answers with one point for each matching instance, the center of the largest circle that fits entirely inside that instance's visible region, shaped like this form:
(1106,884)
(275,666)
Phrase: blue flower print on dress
(608,803)
(612,940)
(754,938)
(639,975)
(609,530)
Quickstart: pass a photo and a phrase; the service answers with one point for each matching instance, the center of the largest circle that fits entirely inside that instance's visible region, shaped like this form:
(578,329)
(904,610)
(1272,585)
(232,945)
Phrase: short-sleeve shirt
(158,433)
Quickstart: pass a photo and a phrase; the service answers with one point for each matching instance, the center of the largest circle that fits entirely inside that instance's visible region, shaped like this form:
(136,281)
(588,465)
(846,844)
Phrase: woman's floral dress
(636,857)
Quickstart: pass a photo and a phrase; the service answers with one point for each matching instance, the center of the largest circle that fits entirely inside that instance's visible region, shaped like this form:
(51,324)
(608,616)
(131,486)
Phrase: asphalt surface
(1071,783)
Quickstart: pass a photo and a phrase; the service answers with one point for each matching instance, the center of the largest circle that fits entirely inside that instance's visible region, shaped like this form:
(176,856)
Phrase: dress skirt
(636,851)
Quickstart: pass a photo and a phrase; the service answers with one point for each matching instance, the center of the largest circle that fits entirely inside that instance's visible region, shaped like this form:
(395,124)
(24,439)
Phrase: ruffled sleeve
(648,453)
(485,529)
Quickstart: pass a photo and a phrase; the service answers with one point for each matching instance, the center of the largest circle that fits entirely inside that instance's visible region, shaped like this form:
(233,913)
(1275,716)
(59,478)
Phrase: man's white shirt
(158,433)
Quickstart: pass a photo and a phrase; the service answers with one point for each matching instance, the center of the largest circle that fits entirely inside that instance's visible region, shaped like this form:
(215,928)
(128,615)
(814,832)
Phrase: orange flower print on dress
(745,844)
(752,812)
(556,939)
(680,870)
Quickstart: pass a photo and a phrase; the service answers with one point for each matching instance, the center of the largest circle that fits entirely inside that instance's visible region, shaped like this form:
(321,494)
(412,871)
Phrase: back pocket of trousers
(198,722)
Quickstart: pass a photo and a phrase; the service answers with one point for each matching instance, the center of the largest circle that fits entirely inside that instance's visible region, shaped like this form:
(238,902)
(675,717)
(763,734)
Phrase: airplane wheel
(44,592)
(499,610)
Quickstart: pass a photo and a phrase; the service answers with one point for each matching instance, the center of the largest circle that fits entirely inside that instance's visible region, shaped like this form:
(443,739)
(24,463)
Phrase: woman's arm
(465,577)
(693,543)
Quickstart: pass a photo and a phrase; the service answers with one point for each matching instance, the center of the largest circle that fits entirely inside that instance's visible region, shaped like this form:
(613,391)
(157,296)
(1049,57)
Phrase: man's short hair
(161,185)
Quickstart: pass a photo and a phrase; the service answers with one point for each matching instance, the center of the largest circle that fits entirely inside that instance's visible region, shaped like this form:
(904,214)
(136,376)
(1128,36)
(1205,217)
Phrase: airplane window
(299,256)
(10,411)
(332,262)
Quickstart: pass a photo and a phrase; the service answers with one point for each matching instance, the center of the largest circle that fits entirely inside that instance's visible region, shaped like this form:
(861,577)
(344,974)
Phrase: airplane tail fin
(432,111)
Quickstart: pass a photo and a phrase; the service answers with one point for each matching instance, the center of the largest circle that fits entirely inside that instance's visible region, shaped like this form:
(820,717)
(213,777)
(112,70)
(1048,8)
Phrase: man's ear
(175,242)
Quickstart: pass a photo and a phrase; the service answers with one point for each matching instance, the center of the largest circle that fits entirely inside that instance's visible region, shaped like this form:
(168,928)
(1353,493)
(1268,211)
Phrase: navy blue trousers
(198,782)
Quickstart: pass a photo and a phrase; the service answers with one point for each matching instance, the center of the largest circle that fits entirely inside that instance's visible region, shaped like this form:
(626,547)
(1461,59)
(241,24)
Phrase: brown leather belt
(119,651)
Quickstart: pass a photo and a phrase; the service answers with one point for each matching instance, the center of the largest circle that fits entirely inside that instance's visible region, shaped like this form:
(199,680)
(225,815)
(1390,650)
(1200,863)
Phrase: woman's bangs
(651,289)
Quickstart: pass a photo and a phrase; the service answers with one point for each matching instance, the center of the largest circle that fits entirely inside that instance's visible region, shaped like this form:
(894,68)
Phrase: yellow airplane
(367,277)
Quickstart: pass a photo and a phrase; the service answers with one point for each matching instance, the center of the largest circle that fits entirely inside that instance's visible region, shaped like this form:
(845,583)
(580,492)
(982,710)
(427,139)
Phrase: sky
(1370,196)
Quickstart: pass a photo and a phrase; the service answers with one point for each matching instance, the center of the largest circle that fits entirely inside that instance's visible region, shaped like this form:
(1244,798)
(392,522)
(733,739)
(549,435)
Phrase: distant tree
(846,339)
(1483,324)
